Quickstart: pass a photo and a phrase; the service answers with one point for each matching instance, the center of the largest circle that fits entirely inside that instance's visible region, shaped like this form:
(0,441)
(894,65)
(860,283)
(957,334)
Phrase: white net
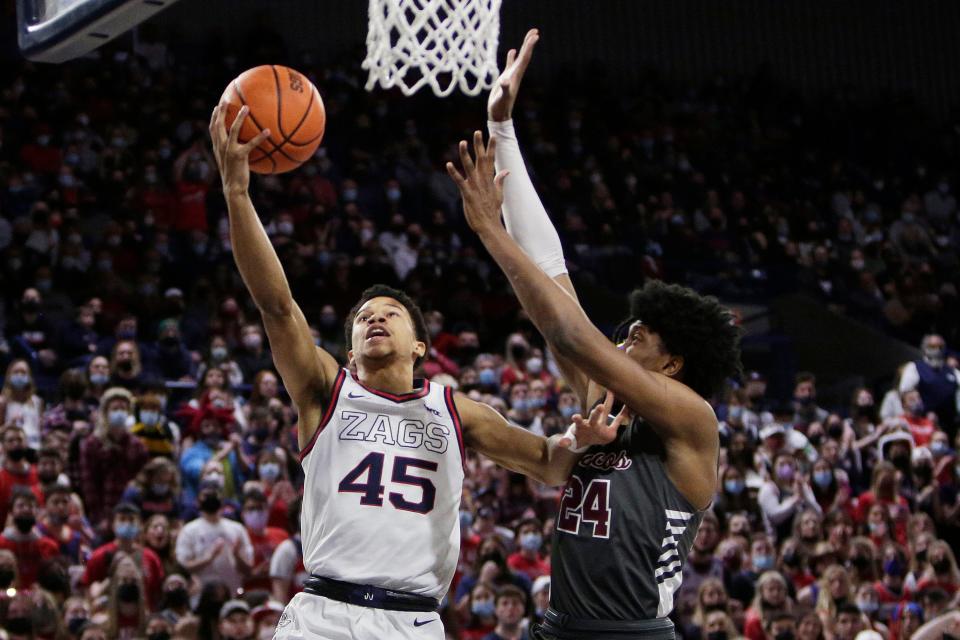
(441,43)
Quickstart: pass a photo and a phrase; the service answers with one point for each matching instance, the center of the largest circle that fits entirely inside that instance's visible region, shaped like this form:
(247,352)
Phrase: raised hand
(596,429)
(504,92)
(482,192)
(232,156)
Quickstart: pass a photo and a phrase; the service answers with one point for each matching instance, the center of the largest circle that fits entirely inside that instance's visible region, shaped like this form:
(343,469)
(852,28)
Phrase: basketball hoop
(441,43)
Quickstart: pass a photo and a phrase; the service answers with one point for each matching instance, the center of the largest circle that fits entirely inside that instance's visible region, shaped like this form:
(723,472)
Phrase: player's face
(383,329)
(646,348)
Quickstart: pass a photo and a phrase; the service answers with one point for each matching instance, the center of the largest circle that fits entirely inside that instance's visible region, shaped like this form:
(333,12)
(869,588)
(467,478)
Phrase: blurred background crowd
(150,486)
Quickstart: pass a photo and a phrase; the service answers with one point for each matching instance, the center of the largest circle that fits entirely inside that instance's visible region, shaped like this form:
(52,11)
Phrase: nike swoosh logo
(417,623)
(359,395)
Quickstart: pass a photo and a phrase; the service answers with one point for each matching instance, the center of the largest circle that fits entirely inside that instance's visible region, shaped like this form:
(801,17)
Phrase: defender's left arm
(672,408)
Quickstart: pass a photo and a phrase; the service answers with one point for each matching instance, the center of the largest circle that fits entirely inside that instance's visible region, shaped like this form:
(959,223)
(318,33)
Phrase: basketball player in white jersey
(632,507)
(382,453)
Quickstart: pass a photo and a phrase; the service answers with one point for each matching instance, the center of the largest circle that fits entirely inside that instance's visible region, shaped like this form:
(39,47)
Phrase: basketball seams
(286,138)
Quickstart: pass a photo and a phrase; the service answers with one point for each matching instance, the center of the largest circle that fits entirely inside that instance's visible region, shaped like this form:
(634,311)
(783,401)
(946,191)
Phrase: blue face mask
(568,411)
(127,530)
(99,379)
(149,418)
(735,413)
(536,403)
(117,418)
(762,563)
(19,380)
(487,377)
(822,478)
(868,607)
(520,404)
(482,609)
(938,447)
(531,541)
(269,470)
(735,487)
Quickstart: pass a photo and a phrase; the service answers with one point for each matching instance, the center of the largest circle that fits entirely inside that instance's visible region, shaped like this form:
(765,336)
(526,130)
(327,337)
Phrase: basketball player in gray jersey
(631,508)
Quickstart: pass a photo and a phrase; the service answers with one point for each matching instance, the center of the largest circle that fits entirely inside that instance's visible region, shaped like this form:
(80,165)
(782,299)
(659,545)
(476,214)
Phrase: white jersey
(382,488)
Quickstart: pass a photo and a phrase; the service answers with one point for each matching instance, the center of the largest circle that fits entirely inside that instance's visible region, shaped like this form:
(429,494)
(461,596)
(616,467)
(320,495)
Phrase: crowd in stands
(150,486)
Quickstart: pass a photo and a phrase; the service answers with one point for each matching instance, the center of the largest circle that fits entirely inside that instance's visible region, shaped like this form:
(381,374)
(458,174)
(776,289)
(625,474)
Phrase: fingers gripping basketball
(283,101)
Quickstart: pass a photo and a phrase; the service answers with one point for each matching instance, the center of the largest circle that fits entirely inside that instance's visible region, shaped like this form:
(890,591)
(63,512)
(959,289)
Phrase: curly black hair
(383,291)
(697,328)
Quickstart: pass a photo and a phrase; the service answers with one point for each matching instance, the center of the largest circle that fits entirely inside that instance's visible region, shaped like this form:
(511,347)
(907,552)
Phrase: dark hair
(255,495)
(511,591)
(848,608)
(697,328)
(54,488)
(383,291)
(804,376)
(21,492)
(534,521)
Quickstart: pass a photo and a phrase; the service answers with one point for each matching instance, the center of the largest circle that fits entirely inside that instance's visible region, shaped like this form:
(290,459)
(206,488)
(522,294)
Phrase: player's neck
(395,378)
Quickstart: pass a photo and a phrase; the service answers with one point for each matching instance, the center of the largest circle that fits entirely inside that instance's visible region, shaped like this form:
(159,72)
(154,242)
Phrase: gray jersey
(623,532)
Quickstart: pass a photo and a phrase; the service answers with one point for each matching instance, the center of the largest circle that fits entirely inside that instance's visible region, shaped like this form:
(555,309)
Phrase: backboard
(60,30)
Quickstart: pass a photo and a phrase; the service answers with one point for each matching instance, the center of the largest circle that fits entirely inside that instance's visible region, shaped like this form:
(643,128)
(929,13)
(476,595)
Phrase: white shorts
(310,617)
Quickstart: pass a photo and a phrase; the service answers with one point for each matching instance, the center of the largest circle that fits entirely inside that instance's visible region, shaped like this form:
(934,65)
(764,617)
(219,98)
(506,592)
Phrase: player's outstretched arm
(524,215)
(548,460)
(307,372)
(672,408)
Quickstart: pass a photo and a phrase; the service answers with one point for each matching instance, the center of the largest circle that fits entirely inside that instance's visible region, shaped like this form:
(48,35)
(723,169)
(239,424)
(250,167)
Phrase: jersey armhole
(334,398)
(455,415)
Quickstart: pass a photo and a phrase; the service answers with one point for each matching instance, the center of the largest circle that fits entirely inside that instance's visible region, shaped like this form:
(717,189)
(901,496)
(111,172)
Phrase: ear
(673,367)
(420,348)
(350,362)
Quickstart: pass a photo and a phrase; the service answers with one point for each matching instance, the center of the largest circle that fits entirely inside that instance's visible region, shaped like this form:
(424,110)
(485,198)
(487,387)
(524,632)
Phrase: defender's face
(383,329)
(646,347)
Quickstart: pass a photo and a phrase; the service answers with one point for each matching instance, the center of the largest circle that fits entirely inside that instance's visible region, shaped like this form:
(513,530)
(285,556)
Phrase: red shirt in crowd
(921,428)
(533,569)
(105,469)
(263,547)
(898,511)
(9,481)
(950,587)
(98,566)
(191,207)
(30,551)
(887,596)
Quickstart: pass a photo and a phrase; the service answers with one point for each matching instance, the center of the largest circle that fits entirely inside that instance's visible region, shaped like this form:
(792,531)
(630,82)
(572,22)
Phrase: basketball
(287,103)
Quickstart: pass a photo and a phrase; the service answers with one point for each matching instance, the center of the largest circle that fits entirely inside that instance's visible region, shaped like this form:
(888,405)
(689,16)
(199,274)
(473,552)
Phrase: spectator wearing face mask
(265,539)
(479,619)
(253,356)
(158,628)
(160,436)
(111,456)
(126,366)
(806,410)
(219,356)
(272,472)
(212,547)
(19,404)
(937,382)
(19,469)
(127,604)
(528,559)
(209,425)
(127,527)
(22,538)
(175,598)
(155,489)
(98,377)
(785,495)
(885,491)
